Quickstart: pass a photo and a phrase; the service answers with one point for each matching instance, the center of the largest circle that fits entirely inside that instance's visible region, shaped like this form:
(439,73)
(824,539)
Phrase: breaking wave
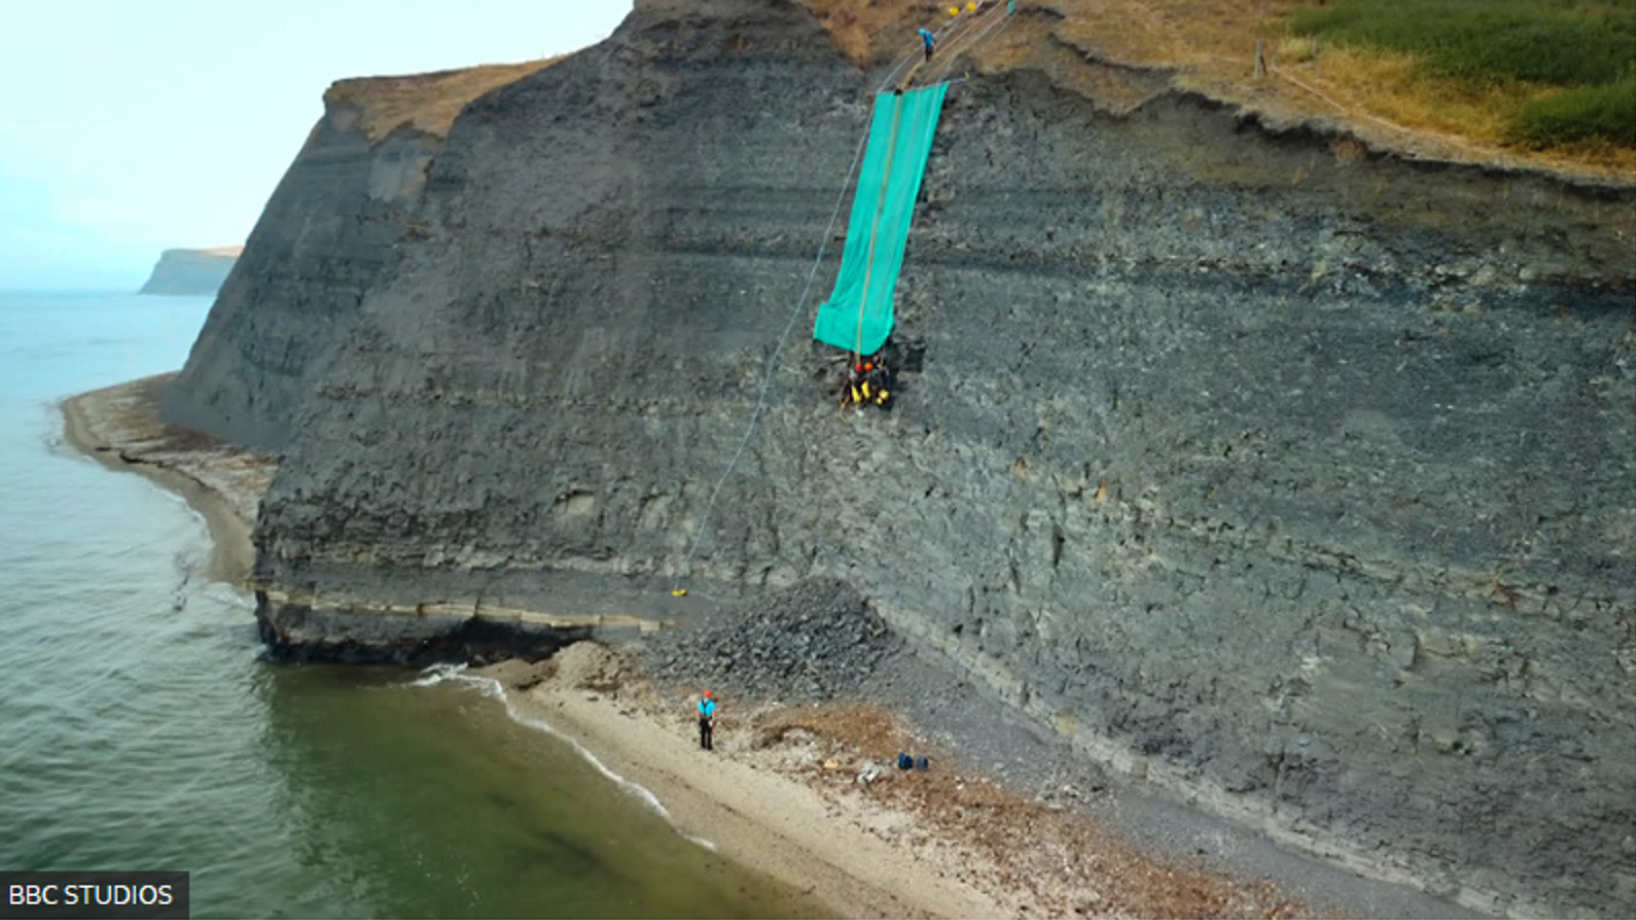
(489,687)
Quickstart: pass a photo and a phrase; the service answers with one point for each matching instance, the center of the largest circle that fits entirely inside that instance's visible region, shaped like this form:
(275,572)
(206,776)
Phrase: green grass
(1584,114)
(1585,47)
(1557,42)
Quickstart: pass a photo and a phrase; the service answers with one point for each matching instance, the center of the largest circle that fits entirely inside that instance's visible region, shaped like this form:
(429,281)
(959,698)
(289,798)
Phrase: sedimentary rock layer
(319,245)
(1301,476)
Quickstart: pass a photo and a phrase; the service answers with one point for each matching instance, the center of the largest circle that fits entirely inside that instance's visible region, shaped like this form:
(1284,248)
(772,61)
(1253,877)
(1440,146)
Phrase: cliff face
(320,243)
(191,271)
(318,246)
(1301,477)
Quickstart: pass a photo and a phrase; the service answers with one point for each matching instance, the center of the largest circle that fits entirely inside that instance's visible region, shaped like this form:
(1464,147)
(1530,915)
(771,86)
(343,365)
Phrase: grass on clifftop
(1541,73)
(1480,42)
(1517,82)
(429,102)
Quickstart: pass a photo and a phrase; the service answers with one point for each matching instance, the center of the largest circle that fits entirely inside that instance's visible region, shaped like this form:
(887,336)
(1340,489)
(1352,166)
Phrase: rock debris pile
(818,640)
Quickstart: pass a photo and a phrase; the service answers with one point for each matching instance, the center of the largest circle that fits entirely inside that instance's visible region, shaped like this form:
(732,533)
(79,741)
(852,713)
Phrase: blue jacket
(928,38)
(707,709)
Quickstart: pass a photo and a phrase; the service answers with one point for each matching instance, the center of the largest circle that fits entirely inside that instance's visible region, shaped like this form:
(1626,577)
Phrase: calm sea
(141,729)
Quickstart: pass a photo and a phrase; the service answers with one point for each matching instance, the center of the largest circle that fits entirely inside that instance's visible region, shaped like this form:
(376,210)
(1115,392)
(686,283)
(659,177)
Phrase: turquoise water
(141,729)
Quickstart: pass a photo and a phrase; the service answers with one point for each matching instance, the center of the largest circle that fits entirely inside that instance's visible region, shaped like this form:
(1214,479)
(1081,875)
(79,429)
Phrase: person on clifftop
(707,721)
(930,41)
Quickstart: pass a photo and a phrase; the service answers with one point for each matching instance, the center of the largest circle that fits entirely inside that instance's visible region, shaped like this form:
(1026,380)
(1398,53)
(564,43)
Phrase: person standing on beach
(707,721)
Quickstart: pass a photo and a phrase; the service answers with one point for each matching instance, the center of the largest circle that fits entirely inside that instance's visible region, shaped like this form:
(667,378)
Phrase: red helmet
(707,694)
(869,365)
(858,368)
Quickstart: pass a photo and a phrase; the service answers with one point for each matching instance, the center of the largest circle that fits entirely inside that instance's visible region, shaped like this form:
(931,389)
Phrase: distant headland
(191,271)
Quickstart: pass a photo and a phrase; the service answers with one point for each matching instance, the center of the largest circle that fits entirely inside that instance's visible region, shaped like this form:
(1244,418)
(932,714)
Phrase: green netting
(858,315)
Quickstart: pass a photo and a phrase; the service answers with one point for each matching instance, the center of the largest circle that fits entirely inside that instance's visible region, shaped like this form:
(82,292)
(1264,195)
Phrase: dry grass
(429,102)
(1388,87)
(1297,50)
(1187,33)
(867,731)
(1209,45)
(1390,90)
(869,30)
(1202,45)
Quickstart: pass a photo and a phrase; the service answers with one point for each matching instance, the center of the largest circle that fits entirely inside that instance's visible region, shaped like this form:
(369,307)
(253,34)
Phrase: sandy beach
(742,800)
(807,795)
(120,427)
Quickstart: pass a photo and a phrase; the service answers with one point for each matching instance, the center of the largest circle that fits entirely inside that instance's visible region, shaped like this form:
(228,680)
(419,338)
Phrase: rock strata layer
(1297,478)
(319,244)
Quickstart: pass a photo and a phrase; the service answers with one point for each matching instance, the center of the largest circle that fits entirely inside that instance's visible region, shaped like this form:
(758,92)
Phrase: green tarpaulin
(858,315)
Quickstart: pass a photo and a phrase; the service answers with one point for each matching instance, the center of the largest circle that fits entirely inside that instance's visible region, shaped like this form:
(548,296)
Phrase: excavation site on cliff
(1125,433)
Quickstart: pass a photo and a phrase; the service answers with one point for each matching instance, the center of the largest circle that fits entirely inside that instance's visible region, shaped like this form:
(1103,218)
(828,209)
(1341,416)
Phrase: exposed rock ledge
(120,426)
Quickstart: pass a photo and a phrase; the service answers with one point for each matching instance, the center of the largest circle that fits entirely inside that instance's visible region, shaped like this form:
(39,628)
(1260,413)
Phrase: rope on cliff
(971,32)
(988,24)
(676,588)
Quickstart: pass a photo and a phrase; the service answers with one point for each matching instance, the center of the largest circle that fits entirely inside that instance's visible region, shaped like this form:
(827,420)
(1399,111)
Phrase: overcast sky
(132,126)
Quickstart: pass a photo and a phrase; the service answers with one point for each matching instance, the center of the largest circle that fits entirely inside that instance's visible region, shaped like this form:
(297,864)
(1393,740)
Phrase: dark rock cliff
(190,271)
(1301,478)
(318,246)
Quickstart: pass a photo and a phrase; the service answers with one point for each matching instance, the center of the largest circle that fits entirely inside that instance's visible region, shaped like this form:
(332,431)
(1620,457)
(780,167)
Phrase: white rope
(800,304)
(772,365)
(968,44)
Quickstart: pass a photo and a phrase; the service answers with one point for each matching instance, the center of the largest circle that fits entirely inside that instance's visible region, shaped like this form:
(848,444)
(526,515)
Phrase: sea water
(141,727)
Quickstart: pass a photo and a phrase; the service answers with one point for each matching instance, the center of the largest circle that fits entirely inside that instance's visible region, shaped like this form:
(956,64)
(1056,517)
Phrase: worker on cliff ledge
(930,41)
(867,383)
(707,721)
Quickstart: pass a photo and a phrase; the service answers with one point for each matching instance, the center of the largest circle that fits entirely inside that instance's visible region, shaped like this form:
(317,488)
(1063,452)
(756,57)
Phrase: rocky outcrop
(192,272)
(307,630)
(1299,478)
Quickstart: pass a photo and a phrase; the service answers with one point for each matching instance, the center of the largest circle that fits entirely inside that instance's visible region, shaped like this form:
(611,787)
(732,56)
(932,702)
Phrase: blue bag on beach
(905,762)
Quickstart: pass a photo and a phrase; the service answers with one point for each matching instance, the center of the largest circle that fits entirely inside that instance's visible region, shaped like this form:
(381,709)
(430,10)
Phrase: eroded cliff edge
(1303,476)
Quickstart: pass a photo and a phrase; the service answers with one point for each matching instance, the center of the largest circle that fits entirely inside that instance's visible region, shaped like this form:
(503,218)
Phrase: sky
(128,127)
